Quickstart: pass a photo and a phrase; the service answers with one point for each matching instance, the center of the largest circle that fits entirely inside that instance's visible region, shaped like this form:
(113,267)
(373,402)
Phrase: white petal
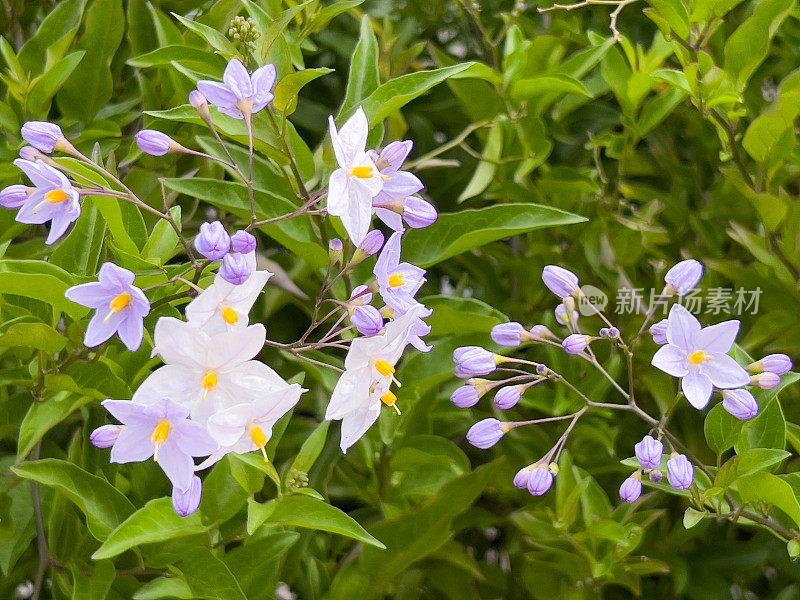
(227,350)
(697,388)
(355,424)
(338,193)
(724,372)
(179,343)
(351,391)
(671,360)
(177,382)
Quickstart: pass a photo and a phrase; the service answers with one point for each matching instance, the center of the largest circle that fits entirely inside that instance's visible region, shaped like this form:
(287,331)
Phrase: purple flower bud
(684,277)
(360,296)
(213,241)
(540,481)
(561,313)
(335,250)
(197,100)
(235,268)
(780,364)
(649,452)
(485,434)
(613,332)
(766,380)
(507,397)
(367,319)
(30,153)
(154,142)
(541,369)
(394,155)
(187,501)
(540,332)
(603,332)
(418,213)
(371,244)
(105,436)
(472,361)
(740,403)
(631,489)
(576,343)
(509,334)
(558,280)
(680,472)
(522,477)
(13,196)
(656,476)
(243,242)
(466,396)
(659,332)
(42,135)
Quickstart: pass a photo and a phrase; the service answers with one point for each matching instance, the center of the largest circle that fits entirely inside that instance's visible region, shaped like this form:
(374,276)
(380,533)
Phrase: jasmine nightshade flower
(357,180)
(485,434)
(699,356)
(206,374)
(765,380)
(371,244)
(186,502)
(367,319)
(631,488)
(780,364)
(105,436)
(235,269)
(45,136)
(680,472)
(121,307)
(740,403)
(540,332)
(683,277)
(156,143)
(659,332)
(509,334)
(398,282)
(369,372)
(649,452)
(508,397)
(223,304)
(540,480)
(162,430)
(576,343)
(14,196)
(243,242)
(560,281)
(562,315)
(418,214)
(472,361)
(213,241)
(54,199)
(240,94)
(395,199)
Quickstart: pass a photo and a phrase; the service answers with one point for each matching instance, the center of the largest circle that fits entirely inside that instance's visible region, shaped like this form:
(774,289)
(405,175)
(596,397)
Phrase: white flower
(224,305)
(357,180)
(369,371)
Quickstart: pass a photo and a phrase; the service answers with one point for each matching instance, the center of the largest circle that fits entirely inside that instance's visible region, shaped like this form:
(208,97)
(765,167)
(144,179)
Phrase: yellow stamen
(259,439)
(56,196)
(389,399)
(231,316)
(362,172)
(699,357)
(210,381)
(387,370)
(397,280)
(160,435)
(117,304)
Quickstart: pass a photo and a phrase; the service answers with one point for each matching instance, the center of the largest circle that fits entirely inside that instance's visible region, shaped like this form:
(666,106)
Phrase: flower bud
(656,476)
(649,452)
(155,143)
(466,396)
(631,488)
(603,332)
(680,472)
(613,333)
(105,436)
(563,318)
(361,296)
(541,369)
(780,364)
(213,241)
(14,196)
(394,155)
(335,251)
(43,136)
(560,281)
(235,269)
(683,277)
(659,332)
(523,476)
(507,397)
(576,343)
(540,480)
(509,334)
(417,213)
(367,319)
(30,153)
(740,403)
(766,380)
(372,244)
(187,501)
(540,332)
(485,434)
(243,242)
(472,361)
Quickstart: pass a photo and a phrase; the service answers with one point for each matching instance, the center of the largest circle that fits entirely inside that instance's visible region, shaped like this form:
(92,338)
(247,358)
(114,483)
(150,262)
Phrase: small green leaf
(289,87)
(692,517)
(214,38)
(311,448)
(34,335)
(364,76)
(43,416)
(532,87)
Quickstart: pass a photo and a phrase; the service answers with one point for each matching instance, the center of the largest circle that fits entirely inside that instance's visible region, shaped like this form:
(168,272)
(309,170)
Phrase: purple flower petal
(671,360)
(129,413)
(115,278)
(391,218)
(719,338)
(725,372)
(99,330)
(193,439)
(263,79)
(134,444)
(93,295)
(682,328)
(697,388)
(178,466)
(237,79)
(218,95)
(131,330)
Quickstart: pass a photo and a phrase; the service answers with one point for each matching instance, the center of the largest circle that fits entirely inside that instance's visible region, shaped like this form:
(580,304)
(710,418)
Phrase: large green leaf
(41,281)
(208,577)
(33,335)
(769,488)
(43,416)
(364,76)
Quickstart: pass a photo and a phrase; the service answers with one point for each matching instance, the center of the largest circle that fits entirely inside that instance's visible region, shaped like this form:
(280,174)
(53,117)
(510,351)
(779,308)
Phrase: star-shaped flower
(240,94)
(398,282)
(53,200)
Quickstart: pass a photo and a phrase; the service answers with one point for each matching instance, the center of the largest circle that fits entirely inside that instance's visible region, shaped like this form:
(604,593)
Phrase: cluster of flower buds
(649,453)
(214,243)
(536,478)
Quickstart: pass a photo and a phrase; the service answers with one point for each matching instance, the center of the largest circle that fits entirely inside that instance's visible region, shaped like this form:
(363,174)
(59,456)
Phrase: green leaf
(214,38)
(95,584)
(47,85)
(454,233)
(324,16)
(163,57)
(41,281)
(484,172)
(271,30)
(747,463)
(364,76)
(33,335)
(532,87)
(769,488)
(53,37)
(765,132)
(721,429)
(164,587)
(692,517)
(105,507)
(308,512)
(156,521)
(461,316)
(43,416)
(208,577)
(289,87)
(674,12)
(163,242)
(767,430)
(658,109)
(311,449)
(79,253)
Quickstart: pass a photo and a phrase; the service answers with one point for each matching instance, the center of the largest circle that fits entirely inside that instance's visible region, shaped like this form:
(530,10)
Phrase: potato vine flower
(45,137)
(185,502)
(53,200)
(357,180)
(631,488)
(560,281)
(156,143)
(486,433)
(540,480)
(779,364)
(699,356)
(683,277)
(240,94)
(680,472)
(235,269)
(163,430)
(120,307)
(398,282)
(740,403)
(213,242)
(391,204)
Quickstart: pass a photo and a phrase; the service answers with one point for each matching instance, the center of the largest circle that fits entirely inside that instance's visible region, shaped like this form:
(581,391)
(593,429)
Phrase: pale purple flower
(485,434)
(523,476)
(161,430)
(398,282)
(472,361)
(197,100)
(683,277)
(509,334)
(43,136)
(680,472)
(398,188)
(540,480)
(508,396)
(780,364)
(560,281)
(240,94)
(371,244)
(243,242)
(155,142)
(766,380)
(631,489)
(466,396)
(213,241)
(120,307)
(53,200)
(561,314)
(14,196)
(105,436)
(419,329)
(418,214)
(659,332)
(740,403)
(649,452)
(235,269)
(699,356)
(575,343)
(187,501)
(367,319)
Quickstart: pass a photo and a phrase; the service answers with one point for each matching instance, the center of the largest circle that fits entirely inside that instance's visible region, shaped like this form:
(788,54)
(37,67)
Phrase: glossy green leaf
(364,76)
(289,87)
(33,335)
(41,281)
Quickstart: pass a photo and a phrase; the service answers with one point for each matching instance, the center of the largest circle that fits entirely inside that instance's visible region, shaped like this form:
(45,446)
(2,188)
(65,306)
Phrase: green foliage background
(550,143)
